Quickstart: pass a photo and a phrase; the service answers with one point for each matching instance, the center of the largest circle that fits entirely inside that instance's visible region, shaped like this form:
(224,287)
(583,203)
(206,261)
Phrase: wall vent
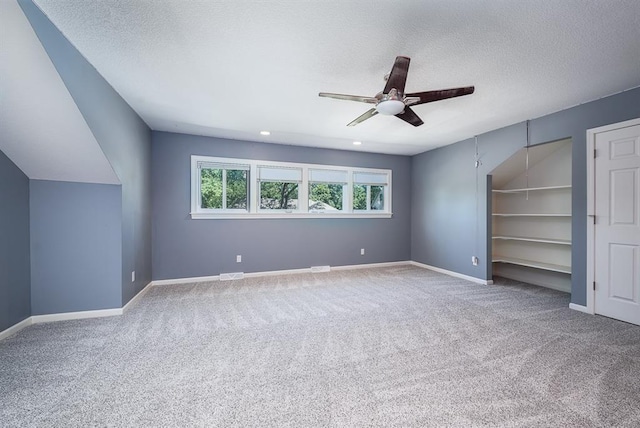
(231,275)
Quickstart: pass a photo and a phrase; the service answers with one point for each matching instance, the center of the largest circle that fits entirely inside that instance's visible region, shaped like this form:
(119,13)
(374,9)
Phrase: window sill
(262,216)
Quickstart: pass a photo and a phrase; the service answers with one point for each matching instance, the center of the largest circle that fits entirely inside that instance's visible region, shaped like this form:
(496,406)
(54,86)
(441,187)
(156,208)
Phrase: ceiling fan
(393,101)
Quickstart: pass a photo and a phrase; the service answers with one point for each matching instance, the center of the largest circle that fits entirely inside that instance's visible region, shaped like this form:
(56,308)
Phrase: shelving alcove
(531,216)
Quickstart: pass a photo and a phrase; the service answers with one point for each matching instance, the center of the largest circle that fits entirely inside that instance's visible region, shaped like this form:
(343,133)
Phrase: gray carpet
(388,347)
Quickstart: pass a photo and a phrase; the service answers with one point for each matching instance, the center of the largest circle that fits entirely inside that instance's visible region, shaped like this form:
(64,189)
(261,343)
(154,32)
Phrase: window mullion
(198,190)
(348,200)
(303,191)
(254,196)
(224,189)
(345,198)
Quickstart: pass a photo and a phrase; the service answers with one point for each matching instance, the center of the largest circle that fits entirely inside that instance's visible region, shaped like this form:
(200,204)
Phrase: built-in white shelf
(531,215)
(534,239)
(568,186)
(534,264)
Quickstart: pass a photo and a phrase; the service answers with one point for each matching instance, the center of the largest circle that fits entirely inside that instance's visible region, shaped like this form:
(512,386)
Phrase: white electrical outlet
(474,260)
(133,276)
(238,258)
(362,251)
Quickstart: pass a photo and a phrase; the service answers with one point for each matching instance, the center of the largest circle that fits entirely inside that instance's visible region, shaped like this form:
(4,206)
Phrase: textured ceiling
(233,68)
(41,129)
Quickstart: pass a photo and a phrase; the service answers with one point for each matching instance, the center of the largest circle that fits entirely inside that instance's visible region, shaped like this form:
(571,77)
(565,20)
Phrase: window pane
(236,189)
(359,197)
(278,195)
(324,196)
(211,188)
(377,197)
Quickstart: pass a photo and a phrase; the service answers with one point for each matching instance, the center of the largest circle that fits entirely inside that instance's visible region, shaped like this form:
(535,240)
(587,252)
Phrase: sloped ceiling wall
(41,129)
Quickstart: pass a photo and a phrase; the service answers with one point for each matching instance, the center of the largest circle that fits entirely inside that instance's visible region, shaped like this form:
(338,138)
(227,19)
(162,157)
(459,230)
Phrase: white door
(617,229)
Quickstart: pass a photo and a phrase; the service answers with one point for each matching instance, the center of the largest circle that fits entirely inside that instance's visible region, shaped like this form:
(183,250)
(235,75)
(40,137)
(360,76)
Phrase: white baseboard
(67,316)
(231,276)
(15,328)
(330,268)
(276,272)
(580,308)
(185,280)
(136,297)
(454,274)
(371,265)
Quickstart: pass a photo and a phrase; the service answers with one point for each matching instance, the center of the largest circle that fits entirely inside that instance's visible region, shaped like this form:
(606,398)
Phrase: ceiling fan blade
(443,94)
(410,116)
(369,100)
(398,75)
(368,114)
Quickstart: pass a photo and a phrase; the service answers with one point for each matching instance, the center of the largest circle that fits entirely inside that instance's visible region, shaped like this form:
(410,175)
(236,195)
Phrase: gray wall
(444,210)
(75,246)
(15,275)
(187,248)
(124,138)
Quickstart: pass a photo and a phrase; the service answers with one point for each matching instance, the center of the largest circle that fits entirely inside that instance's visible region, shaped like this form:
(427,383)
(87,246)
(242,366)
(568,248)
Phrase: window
(243,188)
(223,187)
(369,191)
(279,188)
(327,189)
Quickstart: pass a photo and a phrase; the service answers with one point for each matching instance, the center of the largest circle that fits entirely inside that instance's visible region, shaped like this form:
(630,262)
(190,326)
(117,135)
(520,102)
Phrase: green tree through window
(212,188)
(359,197)
(236,189)
(278,195)
(325,193)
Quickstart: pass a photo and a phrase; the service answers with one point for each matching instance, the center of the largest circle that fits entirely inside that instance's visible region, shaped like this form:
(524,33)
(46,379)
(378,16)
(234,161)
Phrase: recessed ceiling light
(357,143)
(265,133)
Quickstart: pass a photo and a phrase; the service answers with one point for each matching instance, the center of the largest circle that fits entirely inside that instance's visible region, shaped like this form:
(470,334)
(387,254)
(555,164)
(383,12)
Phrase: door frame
(591,205)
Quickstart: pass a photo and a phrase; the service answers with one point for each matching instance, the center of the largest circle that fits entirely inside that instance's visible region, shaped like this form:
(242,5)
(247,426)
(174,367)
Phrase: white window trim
(254,211)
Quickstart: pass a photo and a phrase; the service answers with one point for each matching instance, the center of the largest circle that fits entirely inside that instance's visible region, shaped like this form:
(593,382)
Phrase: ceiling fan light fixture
(390,107)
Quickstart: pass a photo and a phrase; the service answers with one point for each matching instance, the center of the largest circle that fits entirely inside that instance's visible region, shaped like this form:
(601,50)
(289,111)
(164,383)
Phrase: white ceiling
(41,129)
(234,68)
